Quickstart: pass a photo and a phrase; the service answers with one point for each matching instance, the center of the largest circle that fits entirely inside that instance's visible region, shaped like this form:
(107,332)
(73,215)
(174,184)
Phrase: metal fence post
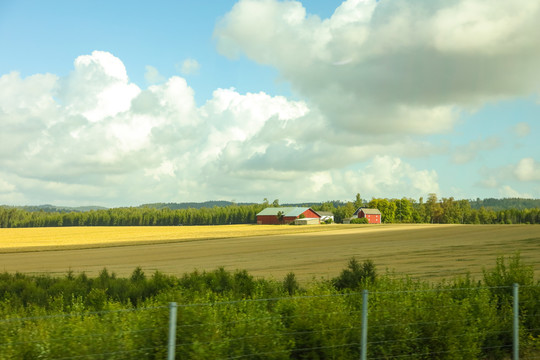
(516,323)
(171,350)
(363,342)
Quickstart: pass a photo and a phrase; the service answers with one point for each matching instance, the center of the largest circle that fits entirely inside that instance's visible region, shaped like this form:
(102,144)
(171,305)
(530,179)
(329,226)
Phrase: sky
(122,103)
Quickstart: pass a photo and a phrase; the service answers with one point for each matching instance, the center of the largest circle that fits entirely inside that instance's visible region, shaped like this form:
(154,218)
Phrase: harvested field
(423,251)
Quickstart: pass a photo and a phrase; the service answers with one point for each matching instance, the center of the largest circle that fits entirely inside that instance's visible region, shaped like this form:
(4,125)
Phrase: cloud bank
(398,67)
(376,79)
(95,137)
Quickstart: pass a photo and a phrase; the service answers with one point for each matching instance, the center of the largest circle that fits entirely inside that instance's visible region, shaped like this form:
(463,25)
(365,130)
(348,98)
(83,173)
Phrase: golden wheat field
(422,251)
(25,239)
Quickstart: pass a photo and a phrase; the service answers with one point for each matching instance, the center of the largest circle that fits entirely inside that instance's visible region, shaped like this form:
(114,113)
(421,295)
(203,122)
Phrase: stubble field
(429,252)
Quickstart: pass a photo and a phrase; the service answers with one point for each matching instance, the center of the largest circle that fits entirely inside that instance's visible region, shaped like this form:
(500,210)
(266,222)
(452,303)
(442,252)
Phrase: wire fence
(458,323)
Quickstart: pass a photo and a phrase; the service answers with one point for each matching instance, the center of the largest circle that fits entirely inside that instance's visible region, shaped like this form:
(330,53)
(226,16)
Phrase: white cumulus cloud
(96,136)
(387,176)
(508,192)
(97,88)
(527,169)
(190,67)
(469,152)
(6,187)
(522,129)
(392,67)
(152,75)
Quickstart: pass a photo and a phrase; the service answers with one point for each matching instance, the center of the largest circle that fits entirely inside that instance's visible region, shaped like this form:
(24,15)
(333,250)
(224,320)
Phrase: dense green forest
(133,216)
(505,204)
(232,315)
(432,210)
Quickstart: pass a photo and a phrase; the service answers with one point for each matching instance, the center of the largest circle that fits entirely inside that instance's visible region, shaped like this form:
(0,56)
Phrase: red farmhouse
(373,215)
(272,215)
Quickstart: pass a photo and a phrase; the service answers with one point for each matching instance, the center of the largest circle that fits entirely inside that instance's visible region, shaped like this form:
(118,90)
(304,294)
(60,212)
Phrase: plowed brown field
(424,251)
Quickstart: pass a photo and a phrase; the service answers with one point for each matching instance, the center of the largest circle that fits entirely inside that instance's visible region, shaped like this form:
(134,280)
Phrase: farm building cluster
(308,216)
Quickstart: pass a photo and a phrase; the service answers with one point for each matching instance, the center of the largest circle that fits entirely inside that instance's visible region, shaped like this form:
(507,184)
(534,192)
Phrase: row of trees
(404,210)
(132,216)
(433,210)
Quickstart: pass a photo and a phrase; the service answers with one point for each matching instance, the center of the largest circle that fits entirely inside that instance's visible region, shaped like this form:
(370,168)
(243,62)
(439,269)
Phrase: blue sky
(122,103)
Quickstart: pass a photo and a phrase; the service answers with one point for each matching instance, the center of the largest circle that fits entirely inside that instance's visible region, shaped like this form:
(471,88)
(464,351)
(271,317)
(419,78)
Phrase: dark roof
(368,211)
(325,213)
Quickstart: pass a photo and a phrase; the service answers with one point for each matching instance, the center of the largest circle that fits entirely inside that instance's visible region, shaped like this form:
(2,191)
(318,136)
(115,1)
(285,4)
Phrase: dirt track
(426,252)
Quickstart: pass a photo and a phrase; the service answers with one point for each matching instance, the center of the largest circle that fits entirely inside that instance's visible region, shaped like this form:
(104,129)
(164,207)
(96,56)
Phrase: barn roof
(368,211)
(325,213)
(287,211)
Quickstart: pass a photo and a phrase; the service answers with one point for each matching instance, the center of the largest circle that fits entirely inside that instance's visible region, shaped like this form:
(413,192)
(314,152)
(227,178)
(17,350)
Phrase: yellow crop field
(25,239)
(423,251)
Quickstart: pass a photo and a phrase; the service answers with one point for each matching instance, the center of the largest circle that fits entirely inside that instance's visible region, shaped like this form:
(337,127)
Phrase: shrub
(459,319)
(507,273)
(290,285)
(356,275)
(360,221)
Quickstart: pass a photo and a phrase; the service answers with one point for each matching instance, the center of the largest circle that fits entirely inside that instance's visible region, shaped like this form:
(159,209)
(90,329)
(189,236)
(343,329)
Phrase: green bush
(290,284)
(224,314)
(356,275)
(360,221)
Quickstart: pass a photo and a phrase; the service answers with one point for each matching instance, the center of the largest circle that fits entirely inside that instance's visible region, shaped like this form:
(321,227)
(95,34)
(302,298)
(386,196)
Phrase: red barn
(285,215)
(373,215)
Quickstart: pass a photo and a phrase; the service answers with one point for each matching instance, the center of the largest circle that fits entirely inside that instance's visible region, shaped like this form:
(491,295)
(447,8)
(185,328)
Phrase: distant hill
(505,204)
(57,209)
(192,205)
(489,203)
(335,203)
(223,203)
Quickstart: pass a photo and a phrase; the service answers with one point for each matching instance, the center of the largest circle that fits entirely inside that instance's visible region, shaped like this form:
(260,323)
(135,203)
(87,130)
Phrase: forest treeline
(439,211)
(405,210)
(131,216)
(226,315)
